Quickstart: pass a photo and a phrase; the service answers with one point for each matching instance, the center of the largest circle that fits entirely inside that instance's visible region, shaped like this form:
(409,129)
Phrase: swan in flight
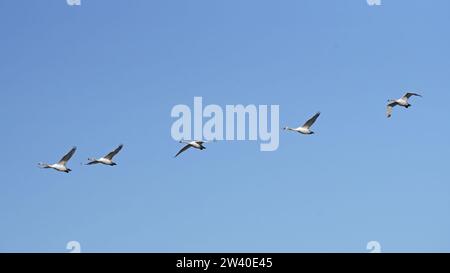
(403,101)
(61,165)
(197,144)
(306,128)
(107,159)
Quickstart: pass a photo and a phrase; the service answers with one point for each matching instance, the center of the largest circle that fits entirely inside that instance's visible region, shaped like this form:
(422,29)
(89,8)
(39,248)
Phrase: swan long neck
(43,165)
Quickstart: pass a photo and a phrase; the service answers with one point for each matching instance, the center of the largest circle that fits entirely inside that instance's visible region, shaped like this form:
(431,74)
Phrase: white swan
(107,159)
(403,102)
(197,144)
(61,165)
(306,128)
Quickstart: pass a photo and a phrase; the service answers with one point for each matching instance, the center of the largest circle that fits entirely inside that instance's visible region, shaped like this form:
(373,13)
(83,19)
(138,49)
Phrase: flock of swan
(305,129)
(61,166)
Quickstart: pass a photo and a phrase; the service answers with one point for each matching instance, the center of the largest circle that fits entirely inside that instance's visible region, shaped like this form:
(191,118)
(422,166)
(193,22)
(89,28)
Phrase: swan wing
(409,95)
(114,153)
(68,156)
(183,149)
(389,108)
(311,121)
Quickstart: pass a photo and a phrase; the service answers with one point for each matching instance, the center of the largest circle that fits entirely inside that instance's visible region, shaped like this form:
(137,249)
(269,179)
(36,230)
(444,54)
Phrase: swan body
(197,144)
(403,102)
(61,166)
(305,128)
(107,159)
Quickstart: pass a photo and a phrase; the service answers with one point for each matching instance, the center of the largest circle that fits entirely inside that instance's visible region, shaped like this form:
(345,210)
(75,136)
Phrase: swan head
(42,165)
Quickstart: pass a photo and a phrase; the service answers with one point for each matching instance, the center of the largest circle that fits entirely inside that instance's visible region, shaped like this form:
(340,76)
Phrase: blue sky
(109,72)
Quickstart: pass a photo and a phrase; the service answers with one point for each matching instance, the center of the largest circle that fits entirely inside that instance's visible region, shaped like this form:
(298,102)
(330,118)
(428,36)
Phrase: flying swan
(61,165)
(306,128)
(107,159)
(403,101)
(197,144)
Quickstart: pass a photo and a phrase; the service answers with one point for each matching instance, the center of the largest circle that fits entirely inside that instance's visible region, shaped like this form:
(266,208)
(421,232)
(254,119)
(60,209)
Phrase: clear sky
(109,72)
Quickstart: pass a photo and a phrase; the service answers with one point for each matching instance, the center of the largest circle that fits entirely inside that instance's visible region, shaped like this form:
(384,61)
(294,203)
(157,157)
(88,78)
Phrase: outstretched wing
(390,107)
(114,153)
(311,121)
(409,95)
(68,156)
(183,149)
(92,162)
(389,111)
